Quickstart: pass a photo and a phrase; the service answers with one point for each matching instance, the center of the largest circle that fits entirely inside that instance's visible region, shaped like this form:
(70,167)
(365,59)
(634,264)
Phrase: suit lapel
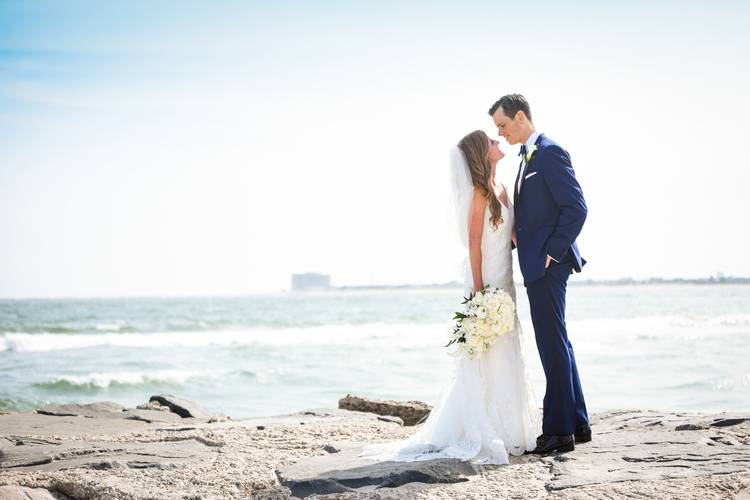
(516,191)
(536,143)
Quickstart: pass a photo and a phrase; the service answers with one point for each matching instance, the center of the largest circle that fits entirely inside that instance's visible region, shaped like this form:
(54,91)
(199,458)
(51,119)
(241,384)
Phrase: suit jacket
(549,211)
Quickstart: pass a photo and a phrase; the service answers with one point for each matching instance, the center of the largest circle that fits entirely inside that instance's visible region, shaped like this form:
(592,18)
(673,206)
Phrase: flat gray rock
(330,415)
(410,412)
(650,446)
(150,416)
(181,407)
(108,410)
(343,471)
(12,492)
(634,453)
(104,409)
(628,445)
(26,452)
(47,425)
(48,455)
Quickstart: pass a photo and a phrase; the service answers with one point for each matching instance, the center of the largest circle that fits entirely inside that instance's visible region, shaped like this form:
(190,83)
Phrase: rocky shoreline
(170,448)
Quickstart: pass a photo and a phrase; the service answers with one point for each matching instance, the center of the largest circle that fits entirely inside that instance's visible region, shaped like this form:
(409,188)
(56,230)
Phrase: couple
(487,411)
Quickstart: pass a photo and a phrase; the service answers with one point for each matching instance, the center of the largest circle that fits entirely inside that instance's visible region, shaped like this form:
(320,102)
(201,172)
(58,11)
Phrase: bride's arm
(476,227)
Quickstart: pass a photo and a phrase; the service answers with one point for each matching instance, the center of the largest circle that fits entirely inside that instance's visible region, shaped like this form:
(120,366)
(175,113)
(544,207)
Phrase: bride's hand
(513,236)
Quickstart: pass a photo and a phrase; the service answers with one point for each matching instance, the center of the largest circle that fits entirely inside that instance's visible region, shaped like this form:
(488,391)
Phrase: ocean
(664,347)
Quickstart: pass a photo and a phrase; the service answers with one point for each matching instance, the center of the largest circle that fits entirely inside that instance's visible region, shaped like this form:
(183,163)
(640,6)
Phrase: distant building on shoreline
(311,281)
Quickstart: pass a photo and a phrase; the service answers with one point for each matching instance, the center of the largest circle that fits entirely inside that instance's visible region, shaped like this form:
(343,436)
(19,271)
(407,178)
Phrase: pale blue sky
(200,147)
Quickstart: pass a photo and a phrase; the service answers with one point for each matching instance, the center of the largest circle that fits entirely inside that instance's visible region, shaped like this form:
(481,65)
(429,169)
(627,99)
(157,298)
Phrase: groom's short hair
(512,104)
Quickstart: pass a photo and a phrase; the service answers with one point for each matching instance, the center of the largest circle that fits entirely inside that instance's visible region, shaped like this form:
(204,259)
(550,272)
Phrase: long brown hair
(475,146)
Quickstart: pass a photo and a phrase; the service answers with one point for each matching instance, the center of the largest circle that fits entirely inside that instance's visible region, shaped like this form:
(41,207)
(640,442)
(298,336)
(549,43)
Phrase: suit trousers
(564,405)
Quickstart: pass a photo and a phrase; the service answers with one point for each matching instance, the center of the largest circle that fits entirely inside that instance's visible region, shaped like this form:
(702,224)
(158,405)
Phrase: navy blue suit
(550,212)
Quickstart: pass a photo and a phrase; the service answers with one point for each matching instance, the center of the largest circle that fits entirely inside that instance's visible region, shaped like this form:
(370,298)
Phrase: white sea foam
(106,379)
(405,335)
(663,326)
(334,334)
(109,327)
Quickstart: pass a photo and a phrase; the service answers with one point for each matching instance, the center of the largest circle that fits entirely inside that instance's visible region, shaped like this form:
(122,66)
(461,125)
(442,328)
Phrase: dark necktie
(521,167)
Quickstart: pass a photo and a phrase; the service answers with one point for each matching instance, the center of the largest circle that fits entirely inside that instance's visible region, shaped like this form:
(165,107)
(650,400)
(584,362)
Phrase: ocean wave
(119,326)
(102,380)
(669,326)
(334,334)
(111,327)
(20,404)
(645,328)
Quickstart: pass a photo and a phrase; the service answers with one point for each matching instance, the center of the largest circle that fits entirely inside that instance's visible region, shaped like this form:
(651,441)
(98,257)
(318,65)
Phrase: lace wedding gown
(487,409)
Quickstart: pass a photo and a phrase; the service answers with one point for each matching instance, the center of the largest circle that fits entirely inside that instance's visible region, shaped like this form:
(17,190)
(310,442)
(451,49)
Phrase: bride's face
(493,152)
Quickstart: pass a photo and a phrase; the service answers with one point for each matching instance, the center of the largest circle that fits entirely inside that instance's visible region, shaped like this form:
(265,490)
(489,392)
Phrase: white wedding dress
(487,410)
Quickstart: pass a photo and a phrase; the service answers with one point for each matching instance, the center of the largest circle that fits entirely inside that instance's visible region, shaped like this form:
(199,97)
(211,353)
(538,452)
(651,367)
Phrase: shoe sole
(560,449)
(583,439)
(564,449)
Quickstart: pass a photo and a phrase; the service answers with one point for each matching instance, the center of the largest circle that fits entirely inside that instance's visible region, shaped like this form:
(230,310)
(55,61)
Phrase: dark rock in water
(182,407)
(331,449)
(411,412)
(260,427)
(346,472)
(104,409)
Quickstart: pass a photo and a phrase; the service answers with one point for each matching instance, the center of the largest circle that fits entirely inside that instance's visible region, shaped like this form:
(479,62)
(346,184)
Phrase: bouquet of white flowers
(489,314)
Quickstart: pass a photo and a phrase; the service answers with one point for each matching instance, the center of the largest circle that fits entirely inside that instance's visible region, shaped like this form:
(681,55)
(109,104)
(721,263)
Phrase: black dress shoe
(554,444)
(583,434)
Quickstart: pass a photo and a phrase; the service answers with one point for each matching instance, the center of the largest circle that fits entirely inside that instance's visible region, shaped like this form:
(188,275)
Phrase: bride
(487,410)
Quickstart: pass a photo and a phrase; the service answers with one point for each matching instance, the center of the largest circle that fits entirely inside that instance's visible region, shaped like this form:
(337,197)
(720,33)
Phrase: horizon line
(715,280)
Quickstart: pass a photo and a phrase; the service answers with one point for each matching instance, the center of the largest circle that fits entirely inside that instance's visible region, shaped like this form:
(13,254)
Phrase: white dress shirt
(529,143)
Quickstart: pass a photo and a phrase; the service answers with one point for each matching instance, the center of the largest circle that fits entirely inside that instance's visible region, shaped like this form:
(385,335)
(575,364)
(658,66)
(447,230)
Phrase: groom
(549,212)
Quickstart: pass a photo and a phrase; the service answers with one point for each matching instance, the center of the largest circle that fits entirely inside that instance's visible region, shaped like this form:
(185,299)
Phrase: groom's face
(508,128)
